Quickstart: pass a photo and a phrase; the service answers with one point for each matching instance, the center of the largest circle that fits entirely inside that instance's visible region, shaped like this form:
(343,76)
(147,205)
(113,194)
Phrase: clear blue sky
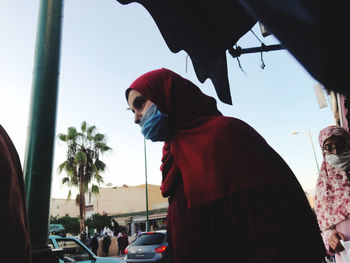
(106,45)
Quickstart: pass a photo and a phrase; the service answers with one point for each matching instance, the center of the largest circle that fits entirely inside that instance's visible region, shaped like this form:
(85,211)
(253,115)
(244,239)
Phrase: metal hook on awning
(261,57)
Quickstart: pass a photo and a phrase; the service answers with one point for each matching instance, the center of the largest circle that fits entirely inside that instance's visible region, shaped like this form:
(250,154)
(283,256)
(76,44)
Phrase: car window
(149,239)
(74,250)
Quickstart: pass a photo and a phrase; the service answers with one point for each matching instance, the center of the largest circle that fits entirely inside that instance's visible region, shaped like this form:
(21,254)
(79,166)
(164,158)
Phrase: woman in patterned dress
(332,198)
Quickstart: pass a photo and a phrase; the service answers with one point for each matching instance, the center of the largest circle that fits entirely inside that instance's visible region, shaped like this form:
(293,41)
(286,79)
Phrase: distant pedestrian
(94,244)
(88,241)
(106,242)
(83,237)
(119,241)
(124,243)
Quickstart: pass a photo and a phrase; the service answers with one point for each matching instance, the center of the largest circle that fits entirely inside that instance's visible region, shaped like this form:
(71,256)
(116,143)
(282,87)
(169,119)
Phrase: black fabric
(106,242)
(94,245)
(313,31)
(205,30)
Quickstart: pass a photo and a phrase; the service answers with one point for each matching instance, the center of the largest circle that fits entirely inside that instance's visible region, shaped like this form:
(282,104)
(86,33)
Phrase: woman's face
(335,145)
(138,104)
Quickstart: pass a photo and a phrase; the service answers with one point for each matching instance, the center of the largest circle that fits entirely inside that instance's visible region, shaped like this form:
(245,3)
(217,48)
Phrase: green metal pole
(42,121)
(147,216)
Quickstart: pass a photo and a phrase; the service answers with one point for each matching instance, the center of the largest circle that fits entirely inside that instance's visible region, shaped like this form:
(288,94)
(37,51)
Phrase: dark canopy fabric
(314,32)
(308,29)
(205,30)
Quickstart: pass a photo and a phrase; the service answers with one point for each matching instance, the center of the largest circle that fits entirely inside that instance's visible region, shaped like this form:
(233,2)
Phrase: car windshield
(73,250)
(149,239)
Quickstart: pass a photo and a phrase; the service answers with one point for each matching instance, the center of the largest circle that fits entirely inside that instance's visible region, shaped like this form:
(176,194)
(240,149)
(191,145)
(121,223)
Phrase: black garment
(115,227)
(106,242)
(94,245)
(119,240)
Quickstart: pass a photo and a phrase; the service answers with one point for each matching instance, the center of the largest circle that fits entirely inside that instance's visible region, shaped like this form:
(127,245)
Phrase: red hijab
(216,155)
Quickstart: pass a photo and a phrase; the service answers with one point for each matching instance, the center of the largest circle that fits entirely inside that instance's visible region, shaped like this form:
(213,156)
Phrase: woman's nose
(137,118)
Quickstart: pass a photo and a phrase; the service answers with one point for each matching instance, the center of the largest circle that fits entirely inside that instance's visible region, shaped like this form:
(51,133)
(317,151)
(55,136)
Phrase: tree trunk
(81,204)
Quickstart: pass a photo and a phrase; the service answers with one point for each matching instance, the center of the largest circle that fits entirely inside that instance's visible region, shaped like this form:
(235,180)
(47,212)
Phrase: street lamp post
(146,186)
(312,145)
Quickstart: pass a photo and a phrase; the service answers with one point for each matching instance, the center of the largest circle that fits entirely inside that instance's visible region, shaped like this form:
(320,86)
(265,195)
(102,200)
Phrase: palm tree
(83,165)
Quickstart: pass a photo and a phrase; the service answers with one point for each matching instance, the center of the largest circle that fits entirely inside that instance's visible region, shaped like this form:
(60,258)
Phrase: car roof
(67,237)
(163,231)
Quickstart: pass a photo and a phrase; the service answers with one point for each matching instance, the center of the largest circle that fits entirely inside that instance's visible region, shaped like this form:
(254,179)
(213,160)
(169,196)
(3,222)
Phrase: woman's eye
(139,101)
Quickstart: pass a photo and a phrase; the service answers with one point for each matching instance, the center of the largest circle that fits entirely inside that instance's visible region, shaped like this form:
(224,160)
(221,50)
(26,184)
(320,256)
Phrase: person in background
(83,237)
(15,242)
(119,241)
(124,242)
(332,192)
(222,179)
(94,244)
(106,242)
(88,241)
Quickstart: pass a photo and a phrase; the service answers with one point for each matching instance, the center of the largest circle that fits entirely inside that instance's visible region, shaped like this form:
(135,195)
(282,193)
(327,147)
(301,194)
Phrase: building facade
(126,204)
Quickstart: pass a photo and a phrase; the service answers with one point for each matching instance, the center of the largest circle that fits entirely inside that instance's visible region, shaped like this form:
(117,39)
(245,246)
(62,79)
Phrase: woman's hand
(334,241)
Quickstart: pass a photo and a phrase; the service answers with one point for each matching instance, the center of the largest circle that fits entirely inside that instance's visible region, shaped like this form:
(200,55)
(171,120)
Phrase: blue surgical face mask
(154,125)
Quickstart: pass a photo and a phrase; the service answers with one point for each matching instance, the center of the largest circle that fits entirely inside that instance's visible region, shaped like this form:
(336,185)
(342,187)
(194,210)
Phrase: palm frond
(65,180)
(101,166)
(83,126)
(80,158)
(91,130)
(104,148)
(62,137)
(71,134)
(95,189)
(99,179)
(62,166)
(99,137)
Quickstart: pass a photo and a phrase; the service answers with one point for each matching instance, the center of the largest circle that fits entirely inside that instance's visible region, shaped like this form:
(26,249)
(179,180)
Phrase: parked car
(76,251)
(147,247)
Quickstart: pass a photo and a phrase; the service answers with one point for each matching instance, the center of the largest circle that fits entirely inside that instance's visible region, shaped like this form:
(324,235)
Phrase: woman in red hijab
(232,198)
